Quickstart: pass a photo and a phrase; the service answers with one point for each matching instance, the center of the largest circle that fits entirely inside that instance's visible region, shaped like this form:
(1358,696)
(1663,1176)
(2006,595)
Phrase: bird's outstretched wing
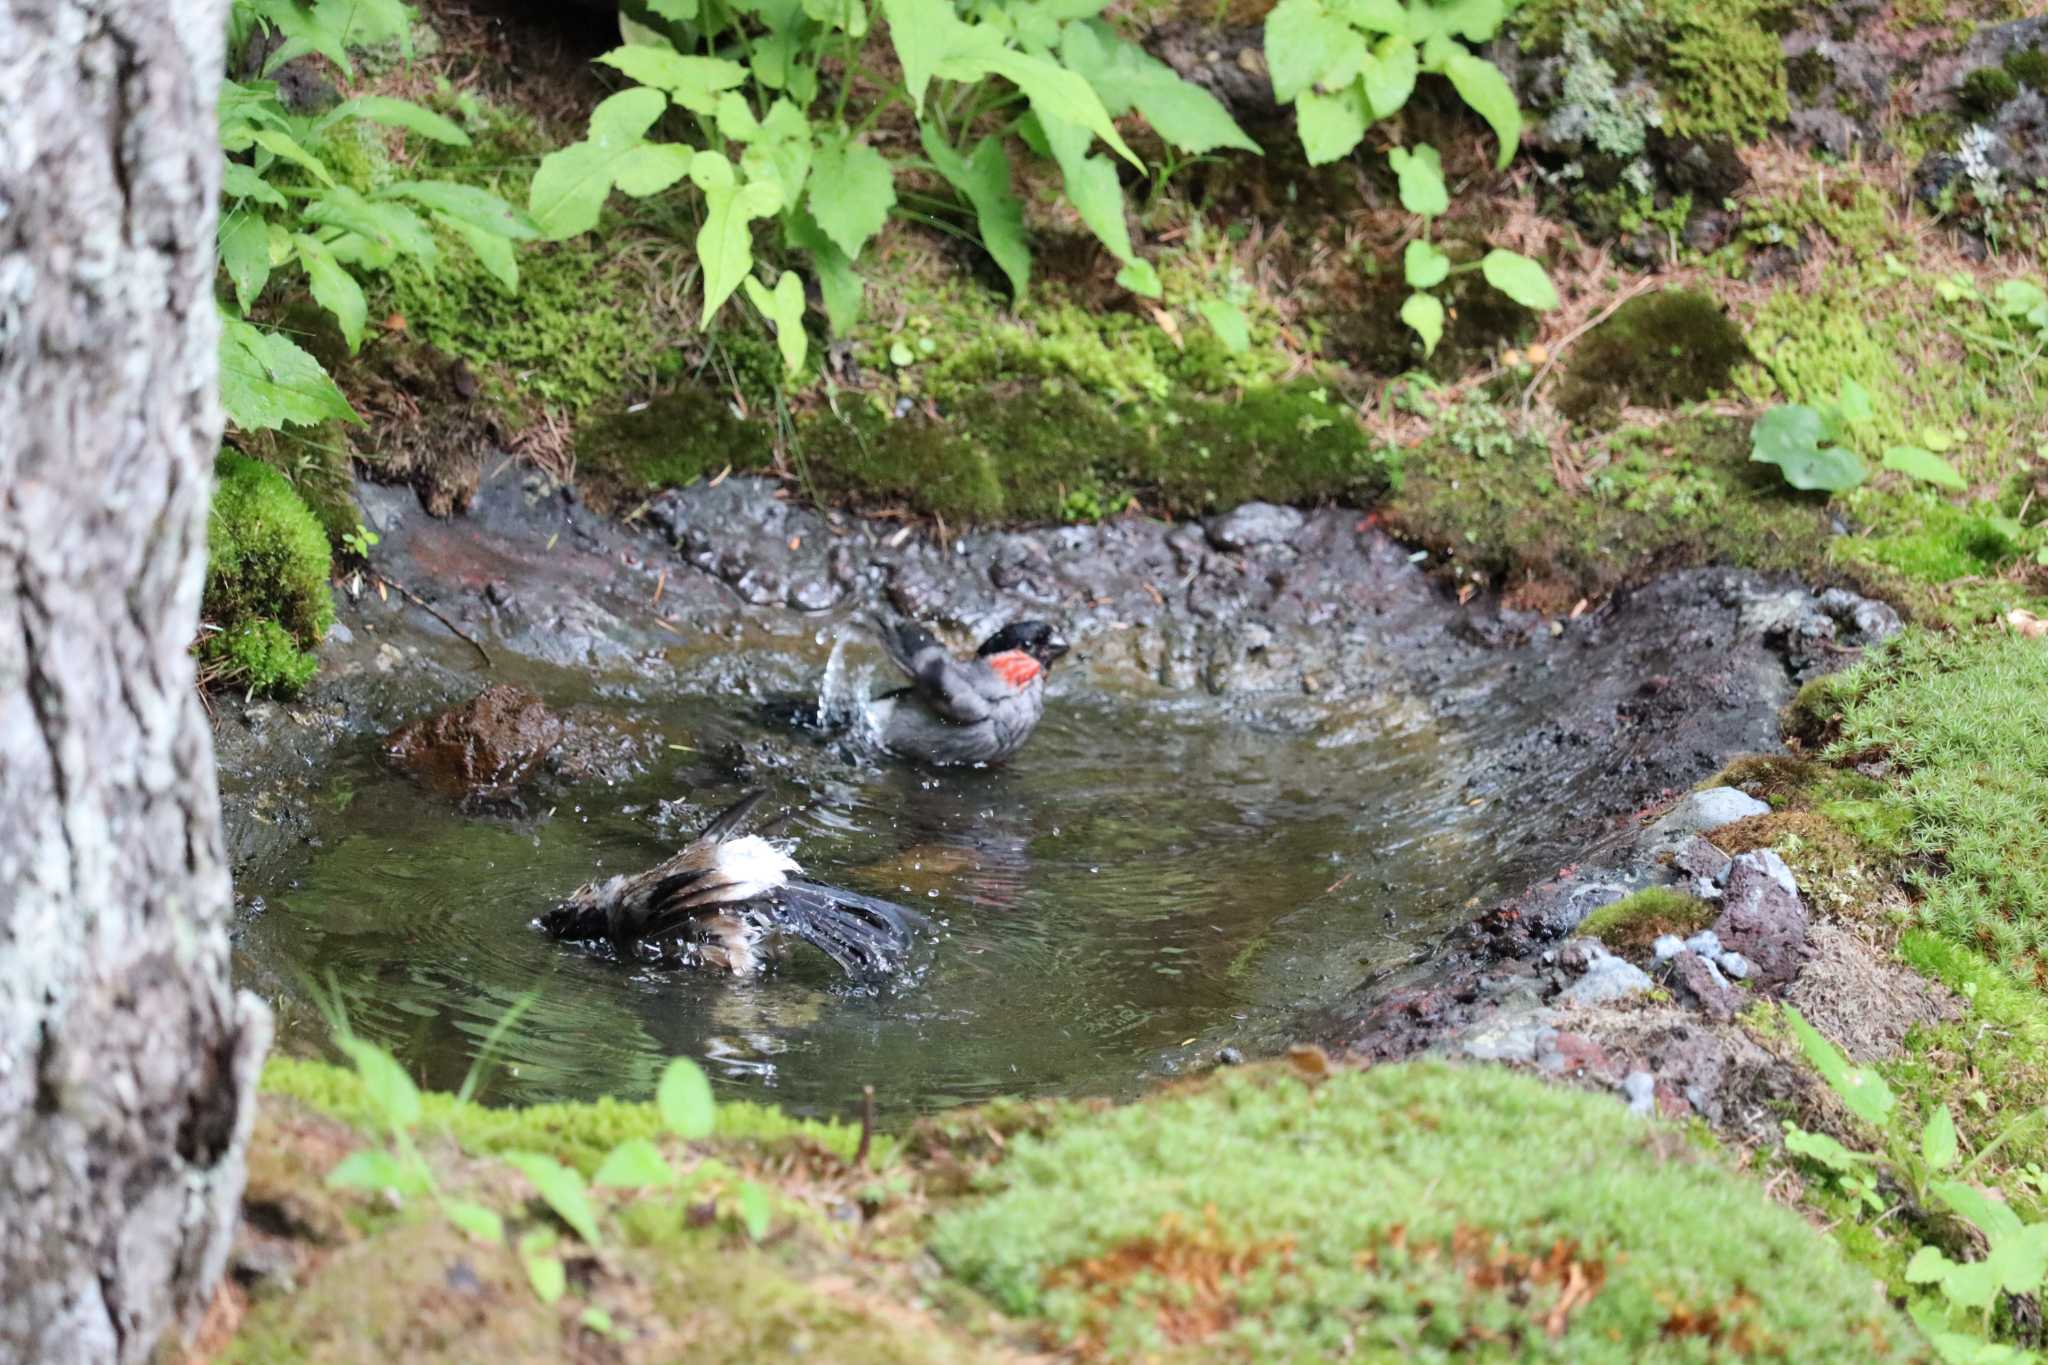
(946,685)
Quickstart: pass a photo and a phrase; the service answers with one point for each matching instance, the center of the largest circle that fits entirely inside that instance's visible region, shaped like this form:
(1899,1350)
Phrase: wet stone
(1762,917)
(1255,523)
(813,594)
(487,746)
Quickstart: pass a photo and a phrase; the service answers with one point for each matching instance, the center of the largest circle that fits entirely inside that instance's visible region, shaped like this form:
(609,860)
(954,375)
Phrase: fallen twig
(409,595)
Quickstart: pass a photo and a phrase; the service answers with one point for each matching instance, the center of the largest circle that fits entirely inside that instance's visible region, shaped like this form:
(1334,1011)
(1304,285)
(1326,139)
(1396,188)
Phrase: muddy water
(1154,878)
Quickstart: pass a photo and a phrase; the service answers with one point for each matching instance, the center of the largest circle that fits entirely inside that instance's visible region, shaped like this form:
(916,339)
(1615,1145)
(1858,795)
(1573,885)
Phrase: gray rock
(1641,1089)
(1736,965)
(339,634)
(1871,620)
(1510,1037)
(1709,809)
(1762,917)
(1704,982)
(1706,943)
(1701,860)
(1255,523)
(813,594)
(1667,947)
(1607,979)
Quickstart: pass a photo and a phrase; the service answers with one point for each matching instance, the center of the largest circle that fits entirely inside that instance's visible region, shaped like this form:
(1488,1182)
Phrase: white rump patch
(753,867)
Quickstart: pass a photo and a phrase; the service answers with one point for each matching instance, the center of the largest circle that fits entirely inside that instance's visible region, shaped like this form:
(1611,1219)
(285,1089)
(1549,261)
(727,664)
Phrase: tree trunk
(126,1063)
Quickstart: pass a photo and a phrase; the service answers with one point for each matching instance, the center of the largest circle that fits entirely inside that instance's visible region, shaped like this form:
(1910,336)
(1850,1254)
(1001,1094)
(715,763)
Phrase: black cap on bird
(719,902)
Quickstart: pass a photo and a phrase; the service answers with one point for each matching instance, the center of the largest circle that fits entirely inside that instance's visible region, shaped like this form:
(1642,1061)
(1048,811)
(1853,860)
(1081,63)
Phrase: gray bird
(719,901)
(955,712)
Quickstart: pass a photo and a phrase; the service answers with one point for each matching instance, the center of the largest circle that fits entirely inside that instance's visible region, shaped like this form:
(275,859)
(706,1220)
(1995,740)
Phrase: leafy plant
(1929,1165)
(1805,442)
(764,88)
(285,212)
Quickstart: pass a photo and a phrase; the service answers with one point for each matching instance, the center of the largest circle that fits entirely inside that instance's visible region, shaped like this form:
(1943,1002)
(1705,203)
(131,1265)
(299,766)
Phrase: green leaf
(984,179)
(1301,38)
(1226,319)
(851,193)
(756,1214)
(396,113)
(1057,93)
(684,1099)
(1480,84)
(1861,1089)
(1092,186)
(562,1188)
(393,227)
(1992,1217)
(784,307)
(570,186)
(549,1280)
(492,252)
(467,204)
(268,382)
(333,288)
(693,82)
(1420,177)
(1854,402)
(1139,277)
(1423,265)
(1927,1266)
(837,279)
(1938,1146)
(1331,125)
(2019,298)
(285,147)
(245,254)
(1822,1149)
(1425,315)
(1125,76)
(396,1098)
(1390,76)
(375,1170)
(1520,278)
(921,31)
(634,1164)
(1923,465)
(781,152)
(1475,21)
(725,244)
(476,1220)
(675,11)
(1791,437)
(241,182)
(1377,16)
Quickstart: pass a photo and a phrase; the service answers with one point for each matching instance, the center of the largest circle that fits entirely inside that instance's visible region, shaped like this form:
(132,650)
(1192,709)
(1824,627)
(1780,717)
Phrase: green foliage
(1419,174)
(1986,90)
(1637,920)
(1660,349)
(267,565)
(285,211)
(1803,442)
(1107,1226)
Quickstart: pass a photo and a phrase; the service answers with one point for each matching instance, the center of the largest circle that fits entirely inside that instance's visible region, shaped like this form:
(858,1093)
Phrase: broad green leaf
(285,147)
(241,182)
(1423,265)
(390,225)
(333,287)
(1480,84)
(1820,1148)
(652,167)
(675,11)
(1301,38)
(245,253)
(1389,77)
(332,27)
(561,1188)
(634,1164)
(1937,440)
(1425,315)
(2019,298)
(1377,16)
(1861,1089)
(1331,125)
(1226,319)
(396,113)
(467,204)
(851,16)
(725,244)
(1139,277)
(268,382)
(1057,93)
(376,1170)
(783,306)
(985,181)
(1092,186)
(851,193)
(921,32)
(735,118)
(756,1214)
(1473,20)
(1992,1217)
(1520,278)
(570,186)
(493,253)
(1854,402)
(781,153)
(476,1220)
(1420,177)
(1924,465)
(837,280)
(684,1099)
(547,1276)
(1793,438)
(1938,1146)
(396,1098)
(693,82)
(1927,1266)
(1126,76)
(773,56)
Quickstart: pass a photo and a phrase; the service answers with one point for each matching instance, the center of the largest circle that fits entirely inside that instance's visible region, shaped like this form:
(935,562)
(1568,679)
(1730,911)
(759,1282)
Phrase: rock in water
(485,747)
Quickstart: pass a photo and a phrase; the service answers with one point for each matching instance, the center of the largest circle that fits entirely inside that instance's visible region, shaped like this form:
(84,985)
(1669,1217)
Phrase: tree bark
(127,1065)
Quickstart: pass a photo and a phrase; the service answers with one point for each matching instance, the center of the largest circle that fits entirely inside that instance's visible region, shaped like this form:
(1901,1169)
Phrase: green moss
(1808,74)
(677,437)
(577,1135)
(1986,90)
(267,565)
(1965,720)
(1658,350)
(1725,71)
(1636,921)
(2029,67)
(1372,1214)
(1931,541)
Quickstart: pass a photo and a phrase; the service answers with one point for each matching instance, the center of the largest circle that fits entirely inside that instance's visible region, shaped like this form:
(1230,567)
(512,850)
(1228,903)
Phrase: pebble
(1668,946)
(1736,965)
(1711,809)
(1229,1056)
(1607,979)
(1641,1089)
(1706,943)
(1255,523)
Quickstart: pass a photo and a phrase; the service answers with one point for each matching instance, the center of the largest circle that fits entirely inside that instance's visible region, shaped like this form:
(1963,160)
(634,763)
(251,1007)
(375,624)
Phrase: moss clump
(2028,66)
(1931,541)
(1965,720)
(1633,923)
(1986,90)
(1658,350)
(1262,1217)
(675,438)
(267,565)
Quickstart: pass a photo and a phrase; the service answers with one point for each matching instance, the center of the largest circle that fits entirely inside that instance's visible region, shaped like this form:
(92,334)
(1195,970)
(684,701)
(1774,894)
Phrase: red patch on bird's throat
(1015,667)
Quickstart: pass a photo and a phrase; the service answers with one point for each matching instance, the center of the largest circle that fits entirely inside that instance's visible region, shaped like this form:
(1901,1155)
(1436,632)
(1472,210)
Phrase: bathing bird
(721,901)
(954,712)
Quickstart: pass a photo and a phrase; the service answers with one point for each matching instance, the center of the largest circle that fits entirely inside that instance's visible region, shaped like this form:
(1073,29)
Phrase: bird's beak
(1057,647)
